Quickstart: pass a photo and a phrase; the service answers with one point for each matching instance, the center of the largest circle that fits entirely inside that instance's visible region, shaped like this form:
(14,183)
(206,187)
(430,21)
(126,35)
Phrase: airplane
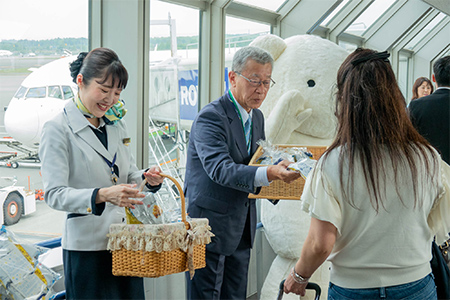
(44,93)
(46,90)
(41,96)
(5,53)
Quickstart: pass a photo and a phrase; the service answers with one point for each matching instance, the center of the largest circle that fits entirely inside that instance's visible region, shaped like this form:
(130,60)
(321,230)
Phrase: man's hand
(280,172)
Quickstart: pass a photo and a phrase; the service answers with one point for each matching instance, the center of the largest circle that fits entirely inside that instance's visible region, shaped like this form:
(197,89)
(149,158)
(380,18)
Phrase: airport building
(178,54)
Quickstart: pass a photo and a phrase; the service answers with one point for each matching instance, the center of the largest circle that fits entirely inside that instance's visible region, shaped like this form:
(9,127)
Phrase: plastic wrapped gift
(304,158)
(156,210)
(21,274)
(154,250)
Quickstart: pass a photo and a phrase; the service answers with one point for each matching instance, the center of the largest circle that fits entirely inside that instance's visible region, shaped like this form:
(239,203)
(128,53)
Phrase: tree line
(56,46)
(60,46)
(192,42)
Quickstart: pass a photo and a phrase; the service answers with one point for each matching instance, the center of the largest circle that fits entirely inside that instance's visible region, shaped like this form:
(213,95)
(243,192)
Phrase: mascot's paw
(303,116)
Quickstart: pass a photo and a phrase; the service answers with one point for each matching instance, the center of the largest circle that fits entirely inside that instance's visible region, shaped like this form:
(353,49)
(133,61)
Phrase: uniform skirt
(88,275)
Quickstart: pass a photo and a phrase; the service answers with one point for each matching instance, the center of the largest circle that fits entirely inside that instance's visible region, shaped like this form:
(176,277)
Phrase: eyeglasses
(257,83)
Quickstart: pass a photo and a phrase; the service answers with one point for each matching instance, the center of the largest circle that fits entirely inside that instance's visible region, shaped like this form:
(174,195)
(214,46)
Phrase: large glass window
(32,34)
(240,33)
(369,16)
(350,47)
(173,86)
(402,77)
(424,31)
(334,12)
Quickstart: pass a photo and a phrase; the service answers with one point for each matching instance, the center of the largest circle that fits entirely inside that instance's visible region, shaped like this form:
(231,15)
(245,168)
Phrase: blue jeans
(422,289)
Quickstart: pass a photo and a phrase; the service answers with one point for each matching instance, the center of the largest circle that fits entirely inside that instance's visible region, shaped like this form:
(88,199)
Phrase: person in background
(430,115)
(377,196)
(422,87)
(218,179)
(89,172)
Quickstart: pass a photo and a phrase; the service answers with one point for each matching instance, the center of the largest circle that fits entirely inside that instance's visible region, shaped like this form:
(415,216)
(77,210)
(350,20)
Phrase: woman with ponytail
(377,196)
(89,172)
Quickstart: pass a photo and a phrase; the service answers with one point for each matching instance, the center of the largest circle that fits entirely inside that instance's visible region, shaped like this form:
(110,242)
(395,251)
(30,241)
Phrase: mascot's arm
(287,115)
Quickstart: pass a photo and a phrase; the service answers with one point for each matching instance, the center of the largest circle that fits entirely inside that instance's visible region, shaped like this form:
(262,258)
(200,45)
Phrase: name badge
(126,141)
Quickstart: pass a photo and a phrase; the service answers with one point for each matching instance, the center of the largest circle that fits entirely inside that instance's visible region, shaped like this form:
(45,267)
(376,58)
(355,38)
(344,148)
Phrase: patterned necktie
(247,130)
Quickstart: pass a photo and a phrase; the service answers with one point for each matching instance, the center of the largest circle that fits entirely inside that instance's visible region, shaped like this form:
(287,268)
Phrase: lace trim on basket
(159,238)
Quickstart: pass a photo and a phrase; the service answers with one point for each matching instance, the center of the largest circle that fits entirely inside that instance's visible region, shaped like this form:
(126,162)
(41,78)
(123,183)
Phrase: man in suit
(218,178)
(431,114)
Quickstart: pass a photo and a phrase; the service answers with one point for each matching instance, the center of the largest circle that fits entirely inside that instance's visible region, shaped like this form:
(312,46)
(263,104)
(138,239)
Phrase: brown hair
(372,116)
(418,83)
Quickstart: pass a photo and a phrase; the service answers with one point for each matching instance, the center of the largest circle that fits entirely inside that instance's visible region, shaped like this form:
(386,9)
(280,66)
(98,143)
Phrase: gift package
(303,160)
(22,276)
(157,209)
(159,238)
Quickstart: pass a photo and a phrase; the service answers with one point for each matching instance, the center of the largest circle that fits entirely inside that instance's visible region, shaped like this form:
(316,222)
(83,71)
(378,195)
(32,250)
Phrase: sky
(48,19)
(43,19)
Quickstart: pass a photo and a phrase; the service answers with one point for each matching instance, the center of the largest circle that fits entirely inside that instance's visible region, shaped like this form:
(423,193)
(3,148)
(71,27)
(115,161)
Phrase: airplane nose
(22,121)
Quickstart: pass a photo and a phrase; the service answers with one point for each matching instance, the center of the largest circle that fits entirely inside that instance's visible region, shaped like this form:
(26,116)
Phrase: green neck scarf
(112,115)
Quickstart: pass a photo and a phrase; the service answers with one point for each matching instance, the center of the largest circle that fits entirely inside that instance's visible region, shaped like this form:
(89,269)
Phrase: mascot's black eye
(311,83)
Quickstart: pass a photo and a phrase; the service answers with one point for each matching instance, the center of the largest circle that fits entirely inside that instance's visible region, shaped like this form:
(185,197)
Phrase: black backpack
(441,272)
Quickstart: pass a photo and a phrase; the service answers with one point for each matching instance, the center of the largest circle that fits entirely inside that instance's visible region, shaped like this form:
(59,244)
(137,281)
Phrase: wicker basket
(278,189)
(126,243)
(151,264)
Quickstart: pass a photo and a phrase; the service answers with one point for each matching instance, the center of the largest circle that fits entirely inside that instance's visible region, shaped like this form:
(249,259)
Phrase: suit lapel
(80,127)
(113,139)
(235,124)
(255,131)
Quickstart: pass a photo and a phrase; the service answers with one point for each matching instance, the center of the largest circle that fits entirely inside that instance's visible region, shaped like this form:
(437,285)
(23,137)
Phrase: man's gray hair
(259,55)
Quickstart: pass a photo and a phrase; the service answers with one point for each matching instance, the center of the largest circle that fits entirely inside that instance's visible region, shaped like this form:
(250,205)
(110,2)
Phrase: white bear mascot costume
(299,109)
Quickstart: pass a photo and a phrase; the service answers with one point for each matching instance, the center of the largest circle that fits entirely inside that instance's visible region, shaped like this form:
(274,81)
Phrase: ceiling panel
(272,5)
(442,5)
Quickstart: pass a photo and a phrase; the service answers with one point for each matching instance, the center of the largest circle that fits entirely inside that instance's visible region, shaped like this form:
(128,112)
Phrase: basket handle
(180,190)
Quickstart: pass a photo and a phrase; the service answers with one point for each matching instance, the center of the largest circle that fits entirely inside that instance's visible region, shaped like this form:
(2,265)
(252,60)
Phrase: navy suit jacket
(218,178)
(430,115)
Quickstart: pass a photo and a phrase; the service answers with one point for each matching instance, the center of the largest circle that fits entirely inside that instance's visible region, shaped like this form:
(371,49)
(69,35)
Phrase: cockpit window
(38,92)
(67,92)
(54,92)
(20,92)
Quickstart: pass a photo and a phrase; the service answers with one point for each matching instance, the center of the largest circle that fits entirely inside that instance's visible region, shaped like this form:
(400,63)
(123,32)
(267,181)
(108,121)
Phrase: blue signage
(188,90)
(227,82)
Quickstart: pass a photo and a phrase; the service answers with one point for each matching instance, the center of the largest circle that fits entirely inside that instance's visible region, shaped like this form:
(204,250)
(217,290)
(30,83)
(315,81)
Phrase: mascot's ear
(271,43)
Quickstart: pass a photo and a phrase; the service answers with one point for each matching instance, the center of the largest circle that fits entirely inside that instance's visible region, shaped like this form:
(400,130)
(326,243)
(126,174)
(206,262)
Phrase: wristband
(299,278)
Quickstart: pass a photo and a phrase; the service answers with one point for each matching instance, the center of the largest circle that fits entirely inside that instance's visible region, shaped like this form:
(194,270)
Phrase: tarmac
(45,223)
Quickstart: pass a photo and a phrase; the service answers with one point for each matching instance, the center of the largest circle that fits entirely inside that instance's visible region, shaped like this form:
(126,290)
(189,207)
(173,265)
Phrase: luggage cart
(309,286)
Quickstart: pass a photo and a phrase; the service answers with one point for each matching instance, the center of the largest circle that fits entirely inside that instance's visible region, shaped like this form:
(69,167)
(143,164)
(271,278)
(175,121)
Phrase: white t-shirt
(390,247)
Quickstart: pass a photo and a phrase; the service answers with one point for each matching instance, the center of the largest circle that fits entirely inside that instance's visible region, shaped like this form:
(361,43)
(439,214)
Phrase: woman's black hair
(101,63)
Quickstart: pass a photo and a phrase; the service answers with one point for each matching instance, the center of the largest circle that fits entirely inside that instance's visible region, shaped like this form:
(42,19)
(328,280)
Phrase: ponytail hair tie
(378,55)
(75,66)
